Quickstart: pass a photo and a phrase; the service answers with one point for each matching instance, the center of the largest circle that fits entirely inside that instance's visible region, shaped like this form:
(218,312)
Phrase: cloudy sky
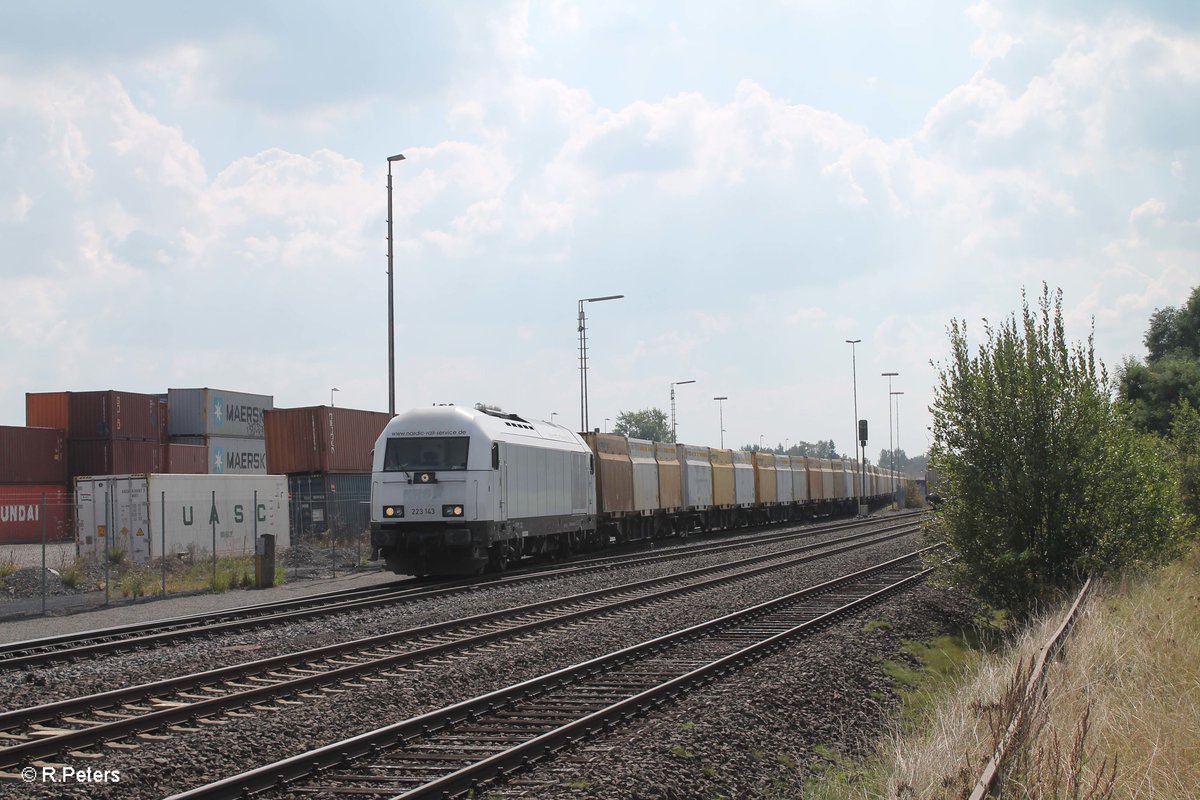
(195,195)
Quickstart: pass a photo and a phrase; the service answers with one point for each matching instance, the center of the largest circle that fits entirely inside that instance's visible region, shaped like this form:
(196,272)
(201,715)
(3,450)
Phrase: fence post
(43,553)
(107,538)
(212,517)
(163,547)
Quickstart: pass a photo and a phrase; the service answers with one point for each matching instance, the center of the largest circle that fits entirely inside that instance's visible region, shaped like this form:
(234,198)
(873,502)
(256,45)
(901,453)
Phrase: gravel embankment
(45,685)
(159,768)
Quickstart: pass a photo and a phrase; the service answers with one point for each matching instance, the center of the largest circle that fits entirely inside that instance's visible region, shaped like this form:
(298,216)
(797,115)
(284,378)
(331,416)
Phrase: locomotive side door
(500,468)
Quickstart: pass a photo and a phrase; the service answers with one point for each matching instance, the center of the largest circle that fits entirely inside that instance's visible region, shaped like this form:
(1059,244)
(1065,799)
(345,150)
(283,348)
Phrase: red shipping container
(21,513)
(322,439)
(48,410)
(120,457)
(187,459)
(32,455)
(98,415)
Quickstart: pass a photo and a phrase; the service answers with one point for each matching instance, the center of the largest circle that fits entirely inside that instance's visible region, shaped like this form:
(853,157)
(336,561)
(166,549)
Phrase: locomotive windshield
(404,454)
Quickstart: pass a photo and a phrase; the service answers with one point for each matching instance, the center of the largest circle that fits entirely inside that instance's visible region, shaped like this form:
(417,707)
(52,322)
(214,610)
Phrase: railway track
(460,749)
(182,703)
(32,653)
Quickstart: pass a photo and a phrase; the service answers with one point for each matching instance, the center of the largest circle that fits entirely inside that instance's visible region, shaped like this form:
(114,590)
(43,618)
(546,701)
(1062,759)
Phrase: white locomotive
(455,490)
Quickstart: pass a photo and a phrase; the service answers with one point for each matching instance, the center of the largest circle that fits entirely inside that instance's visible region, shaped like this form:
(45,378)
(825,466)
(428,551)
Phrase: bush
(1185,443)
(1042,480)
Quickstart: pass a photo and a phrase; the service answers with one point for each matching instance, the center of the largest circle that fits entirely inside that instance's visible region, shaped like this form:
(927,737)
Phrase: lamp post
(760,440)
(331,391)
(583,390)
(391,297)
(674,435)
(891,446)
(862,478)
(553,414)
(606,419)
(721,412)
(897,396)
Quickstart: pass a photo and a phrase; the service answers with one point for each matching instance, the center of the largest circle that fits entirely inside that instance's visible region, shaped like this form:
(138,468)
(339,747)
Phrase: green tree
(1171,371)
(649,423)
(1185,442)
(1043,480)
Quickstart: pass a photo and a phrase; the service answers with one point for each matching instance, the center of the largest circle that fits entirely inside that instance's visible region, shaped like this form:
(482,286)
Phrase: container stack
(326,453)
(217,432)
(33,486)
(106,432)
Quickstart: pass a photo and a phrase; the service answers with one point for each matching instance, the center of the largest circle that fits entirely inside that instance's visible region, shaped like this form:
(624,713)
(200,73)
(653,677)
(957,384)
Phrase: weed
(877,625)
(7,567)
(579,785)
(116,555)
(679,751)
(71,575)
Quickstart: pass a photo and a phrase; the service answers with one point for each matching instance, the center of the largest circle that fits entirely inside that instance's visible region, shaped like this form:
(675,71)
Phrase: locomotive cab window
(426,453)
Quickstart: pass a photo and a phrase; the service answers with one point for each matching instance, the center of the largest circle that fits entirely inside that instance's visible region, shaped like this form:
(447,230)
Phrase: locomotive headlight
(452,511)
(393,512)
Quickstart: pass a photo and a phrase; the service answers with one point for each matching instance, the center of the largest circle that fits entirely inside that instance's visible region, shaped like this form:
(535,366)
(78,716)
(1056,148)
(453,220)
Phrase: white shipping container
(231,455)
(129,512)
(645,475)
(743,477)
(800,479)
(783,478)
(214,412)
(696,471)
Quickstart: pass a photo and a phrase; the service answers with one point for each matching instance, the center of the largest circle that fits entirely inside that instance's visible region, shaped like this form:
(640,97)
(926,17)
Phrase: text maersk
(245,461)
(250,415)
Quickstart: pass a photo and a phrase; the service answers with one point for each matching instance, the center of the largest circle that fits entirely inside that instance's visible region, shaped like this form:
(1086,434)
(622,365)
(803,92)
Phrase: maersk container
(696,469)
(645,475)
(32,455)
(216,412)
(743,477)
(339,503)
(131,513)
(322,439)
(28,510)
(231,455)
(108,414)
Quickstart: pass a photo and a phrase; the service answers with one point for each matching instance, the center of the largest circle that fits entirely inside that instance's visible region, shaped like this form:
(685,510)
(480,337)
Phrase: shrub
(1042,479)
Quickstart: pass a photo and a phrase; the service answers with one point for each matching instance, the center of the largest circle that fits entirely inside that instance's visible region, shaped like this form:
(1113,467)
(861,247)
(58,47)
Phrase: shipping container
(816,491)
(28,510)
(783,478)
(724,495)
(766,490)
(743,477)
(182,515)
(645,475)
(231,455)
(670,491)
(32,455)
(696,471)
(105,414)
(322,439)
(319,504)
(800,479)
(614,472)
(216,412)
(112,457)
(186,459)
(828,487)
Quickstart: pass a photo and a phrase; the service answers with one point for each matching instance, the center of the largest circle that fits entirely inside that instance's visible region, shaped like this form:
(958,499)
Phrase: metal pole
(674,436)
(162,555)
(391,297)
(212,516)
(854,384)
(43,553)
(107,539)
(891,445)
(721,416)
(581,325)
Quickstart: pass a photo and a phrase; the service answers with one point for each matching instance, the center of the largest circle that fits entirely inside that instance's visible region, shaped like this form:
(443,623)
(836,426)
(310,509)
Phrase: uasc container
(145,516)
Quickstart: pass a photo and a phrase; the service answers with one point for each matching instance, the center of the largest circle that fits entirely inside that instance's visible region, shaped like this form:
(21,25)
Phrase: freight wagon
(456,490)
(145,516)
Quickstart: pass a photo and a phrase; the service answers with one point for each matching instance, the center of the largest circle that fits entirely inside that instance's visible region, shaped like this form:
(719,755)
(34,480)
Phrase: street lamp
(891,446)
(760,440)
(897,396)
(721,411)
(553,414)
(674,435)
(331,391)
(583,390)
(606,419)
(391,297)
(862,475)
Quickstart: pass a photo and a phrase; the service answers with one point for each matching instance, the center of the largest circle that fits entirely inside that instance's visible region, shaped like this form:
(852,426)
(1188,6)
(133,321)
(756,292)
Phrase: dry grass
(1121,717)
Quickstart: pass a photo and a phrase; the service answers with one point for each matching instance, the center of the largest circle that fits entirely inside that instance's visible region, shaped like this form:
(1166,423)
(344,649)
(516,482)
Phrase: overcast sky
(194,195)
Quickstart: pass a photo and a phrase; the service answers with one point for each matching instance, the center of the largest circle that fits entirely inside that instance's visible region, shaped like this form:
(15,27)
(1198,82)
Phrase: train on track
(458,490)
